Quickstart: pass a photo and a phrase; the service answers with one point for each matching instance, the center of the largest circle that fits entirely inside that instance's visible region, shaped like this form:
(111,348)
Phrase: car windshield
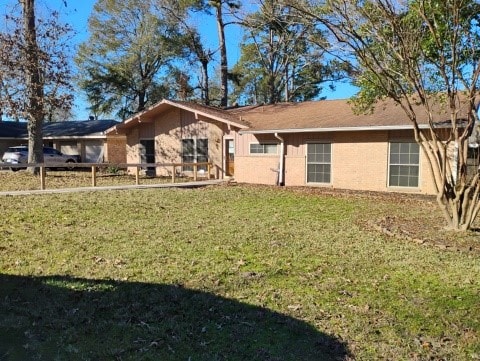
(17,149)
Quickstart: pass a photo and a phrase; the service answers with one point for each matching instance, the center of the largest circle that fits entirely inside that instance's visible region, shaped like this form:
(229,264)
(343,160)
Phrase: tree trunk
(35,108)
(142,94)
(223,56)
(205,86)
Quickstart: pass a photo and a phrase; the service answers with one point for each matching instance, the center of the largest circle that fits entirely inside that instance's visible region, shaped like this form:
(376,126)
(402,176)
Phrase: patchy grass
(233,273)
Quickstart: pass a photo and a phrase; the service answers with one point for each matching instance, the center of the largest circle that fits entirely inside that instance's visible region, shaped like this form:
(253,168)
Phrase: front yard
(235,273)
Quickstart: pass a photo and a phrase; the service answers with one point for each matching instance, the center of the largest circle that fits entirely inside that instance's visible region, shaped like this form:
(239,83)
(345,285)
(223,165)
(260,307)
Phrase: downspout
(281,165)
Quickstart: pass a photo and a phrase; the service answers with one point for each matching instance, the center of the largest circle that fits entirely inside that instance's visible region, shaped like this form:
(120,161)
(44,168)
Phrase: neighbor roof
(329,115)
(88,128)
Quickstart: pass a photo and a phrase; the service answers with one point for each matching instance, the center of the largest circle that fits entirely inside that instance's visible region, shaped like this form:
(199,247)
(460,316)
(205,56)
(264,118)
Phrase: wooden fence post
(94,176)
(43,175)
(137,175)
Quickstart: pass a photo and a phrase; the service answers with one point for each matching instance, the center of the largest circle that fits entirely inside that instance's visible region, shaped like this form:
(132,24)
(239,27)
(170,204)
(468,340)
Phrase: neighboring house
(317,143)
(86,138)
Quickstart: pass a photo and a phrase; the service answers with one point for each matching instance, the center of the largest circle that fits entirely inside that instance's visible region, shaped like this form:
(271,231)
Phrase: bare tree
(35,73)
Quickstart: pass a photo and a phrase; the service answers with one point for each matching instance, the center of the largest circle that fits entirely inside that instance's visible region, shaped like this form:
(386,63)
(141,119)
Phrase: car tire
(70,161)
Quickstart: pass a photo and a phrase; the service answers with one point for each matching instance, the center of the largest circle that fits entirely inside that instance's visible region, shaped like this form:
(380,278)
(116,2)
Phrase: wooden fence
(212,171)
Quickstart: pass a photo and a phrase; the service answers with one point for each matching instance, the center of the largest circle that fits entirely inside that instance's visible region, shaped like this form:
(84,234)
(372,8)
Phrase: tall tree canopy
(283,58)
(418,52)
(196,53)
(131,42)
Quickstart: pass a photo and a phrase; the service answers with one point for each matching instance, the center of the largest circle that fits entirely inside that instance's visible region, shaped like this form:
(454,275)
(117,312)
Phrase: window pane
(404,167)
(270,148)
(318,162)
(202,147)
(404,158)
(263,148)
(256,148)
(188,159)
(187,147)
(394,158)
(395,148)
(318,173)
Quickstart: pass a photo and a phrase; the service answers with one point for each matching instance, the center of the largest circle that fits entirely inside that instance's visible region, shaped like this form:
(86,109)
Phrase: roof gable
(150,113)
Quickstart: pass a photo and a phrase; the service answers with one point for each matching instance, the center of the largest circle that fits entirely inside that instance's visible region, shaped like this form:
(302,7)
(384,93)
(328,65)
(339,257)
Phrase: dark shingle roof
(58,129)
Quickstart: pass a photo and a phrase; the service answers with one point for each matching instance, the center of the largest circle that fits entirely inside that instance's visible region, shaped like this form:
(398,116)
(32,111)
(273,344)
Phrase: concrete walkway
(111,188)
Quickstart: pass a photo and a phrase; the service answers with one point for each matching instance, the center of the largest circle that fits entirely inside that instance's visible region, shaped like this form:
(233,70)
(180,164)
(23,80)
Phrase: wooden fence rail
(196,173)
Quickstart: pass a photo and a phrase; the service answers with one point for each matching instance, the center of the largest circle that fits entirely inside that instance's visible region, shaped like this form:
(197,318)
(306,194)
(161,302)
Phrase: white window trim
(263,154)
(331,162)
(195,153)
(405,188)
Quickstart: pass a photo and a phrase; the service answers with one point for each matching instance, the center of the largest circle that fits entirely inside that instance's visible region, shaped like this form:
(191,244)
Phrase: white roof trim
(205,114)
(138,116)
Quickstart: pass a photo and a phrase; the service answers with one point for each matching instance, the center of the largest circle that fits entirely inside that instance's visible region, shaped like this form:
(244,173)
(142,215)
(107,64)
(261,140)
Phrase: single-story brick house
(316,143)
(86,138)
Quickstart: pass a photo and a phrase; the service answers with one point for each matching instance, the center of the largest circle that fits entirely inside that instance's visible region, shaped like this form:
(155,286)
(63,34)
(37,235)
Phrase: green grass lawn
(231,273)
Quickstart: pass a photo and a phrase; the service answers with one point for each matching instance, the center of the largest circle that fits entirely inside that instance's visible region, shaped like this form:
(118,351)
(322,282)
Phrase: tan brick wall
(360,161)
(427,183)
(115,151)
(295,170)
(256,169)
(167,130)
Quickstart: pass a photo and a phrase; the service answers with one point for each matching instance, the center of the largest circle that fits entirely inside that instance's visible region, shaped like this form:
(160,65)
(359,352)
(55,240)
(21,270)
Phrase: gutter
(281,165)
(336,129)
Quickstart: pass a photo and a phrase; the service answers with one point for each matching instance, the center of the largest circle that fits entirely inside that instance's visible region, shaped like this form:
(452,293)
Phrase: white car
(19,155)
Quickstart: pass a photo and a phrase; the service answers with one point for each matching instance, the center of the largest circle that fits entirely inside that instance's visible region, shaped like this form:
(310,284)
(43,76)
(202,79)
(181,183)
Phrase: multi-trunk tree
(418,53)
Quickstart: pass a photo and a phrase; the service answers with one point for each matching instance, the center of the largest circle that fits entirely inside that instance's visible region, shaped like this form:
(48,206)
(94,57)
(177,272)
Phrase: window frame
(197,152)
(263,144)
(401,164)
(307,163)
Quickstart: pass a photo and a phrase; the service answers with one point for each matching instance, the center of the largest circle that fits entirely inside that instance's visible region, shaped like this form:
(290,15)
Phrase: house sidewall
(359,160)
(255,168)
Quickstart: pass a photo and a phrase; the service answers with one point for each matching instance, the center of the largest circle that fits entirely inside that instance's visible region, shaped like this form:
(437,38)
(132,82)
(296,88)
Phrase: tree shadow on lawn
(65,318)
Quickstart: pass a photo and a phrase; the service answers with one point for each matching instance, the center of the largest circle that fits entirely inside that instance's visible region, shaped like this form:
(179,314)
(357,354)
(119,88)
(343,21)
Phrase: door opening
(229,157)
(147,154)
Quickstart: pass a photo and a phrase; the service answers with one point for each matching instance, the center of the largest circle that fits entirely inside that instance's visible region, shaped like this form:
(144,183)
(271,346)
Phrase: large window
(404,165)
(194,151)
(319,162)
(263,148)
